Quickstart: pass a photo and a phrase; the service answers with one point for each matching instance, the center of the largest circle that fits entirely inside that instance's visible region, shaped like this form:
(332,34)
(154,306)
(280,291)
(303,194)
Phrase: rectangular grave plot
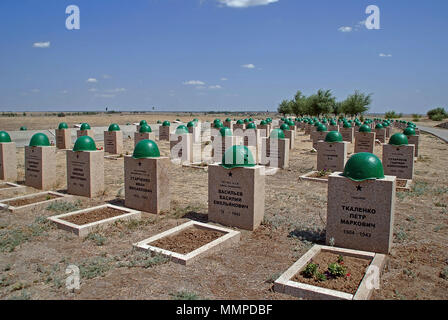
(34,200)
(178,244)
(83,222)
(316,176)
(11,190)
(287,283)
(403,185)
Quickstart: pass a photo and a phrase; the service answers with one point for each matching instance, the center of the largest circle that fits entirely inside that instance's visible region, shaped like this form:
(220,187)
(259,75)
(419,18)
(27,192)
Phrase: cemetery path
(440,133)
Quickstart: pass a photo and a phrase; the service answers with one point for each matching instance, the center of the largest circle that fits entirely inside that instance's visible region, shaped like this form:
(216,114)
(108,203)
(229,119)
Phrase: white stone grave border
(307,177)
(222,242)
(85,229)
(60,196)
(285,285)
(8,192)
(407,187)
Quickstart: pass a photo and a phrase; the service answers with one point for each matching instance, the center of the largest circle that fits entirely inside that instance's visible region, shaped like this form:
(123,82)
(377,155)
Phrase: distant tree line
(324,103)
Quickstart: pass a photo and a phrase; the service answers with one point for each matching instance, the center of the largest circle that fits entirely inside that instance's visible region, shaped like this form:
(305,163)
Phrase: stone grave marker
(181,145)
(223,141)
(144,133)
(347,132)
(289,134)
(332,153)
(413,138)
(364,140)
(275,150)
(146,179)
(85,169)
(236,190)
(85,130)
(398,157)
(264,129)
(319,135)
(40,163)
(113,139)
(380,133)
(63,136)
(361,204)
(164,131)
(8,158)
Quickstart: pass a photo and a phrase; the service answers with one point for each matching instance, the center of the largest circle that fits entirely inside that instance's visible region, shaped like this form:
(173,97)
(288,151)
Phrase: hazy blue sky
(220,54)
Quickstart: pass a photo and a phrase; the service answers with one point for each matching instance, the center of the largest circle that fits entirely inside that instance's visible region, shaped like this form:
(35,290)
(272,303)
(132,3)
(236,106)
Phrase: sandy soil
(34,253)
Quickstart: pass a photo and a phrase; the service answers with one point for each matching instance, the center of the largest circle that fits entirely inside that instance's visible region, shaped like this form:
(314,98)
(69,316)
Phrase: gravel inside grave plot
(187,240)
(93,216)
(356,268)
(36,199)
(401,183)
(321,175)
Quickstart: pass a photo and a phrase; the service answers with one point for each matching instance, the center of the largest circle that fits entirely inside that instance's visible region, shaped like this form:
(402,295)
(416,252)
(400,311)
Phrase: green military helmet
(246,120)
(219,125)
(290,123)
(85,126)
(237,157)
(228,120)
(143,122)
(263,123)
(365,128)
(39,140)
(216,121)
(398,139)
(333,123)
(4,137)
(251,126)
(23,128)
(146,149)
(284,126)
(84,143)
(181,129)
(62,126)
(240,122)
(333,136)
(363,166)
(379,126)
(191,124)
(145,128)
(409,131)
(196,120)
(114,127)
(277,134)
(159,122)
(347,125)
(251,120)
(166,123)
(225,132)
(321,128)
(385,124)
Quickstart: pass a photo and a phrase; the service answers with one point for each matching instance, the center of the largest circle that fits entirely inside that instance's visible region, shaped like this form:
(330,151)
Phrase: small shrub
(185,295)
(97,238)
(310,270)
(337,270)
(95,267)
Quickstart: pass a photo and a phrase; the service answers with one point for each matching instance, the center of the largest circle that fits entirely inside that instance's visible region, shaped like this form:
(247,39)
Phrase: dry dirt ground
(34,253)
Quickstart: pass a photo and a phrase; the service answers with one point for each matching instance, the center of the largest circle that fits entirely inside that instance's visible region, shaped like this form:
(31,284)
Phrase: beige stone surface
(196,133)
(290,134)
(333,128)
(85,173)
(347,134)
(237,126)
(360,215)
(147,186)
(8,162)
(317,136)
(331,155)
(143,136)
(89,133)
(275,153)
(113,142)
(236,197)
(40,167)
(399,161)
(381,135)
(63,138)
(414,140)
(264,130)
(164,133)
(181,147)
(364,142)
